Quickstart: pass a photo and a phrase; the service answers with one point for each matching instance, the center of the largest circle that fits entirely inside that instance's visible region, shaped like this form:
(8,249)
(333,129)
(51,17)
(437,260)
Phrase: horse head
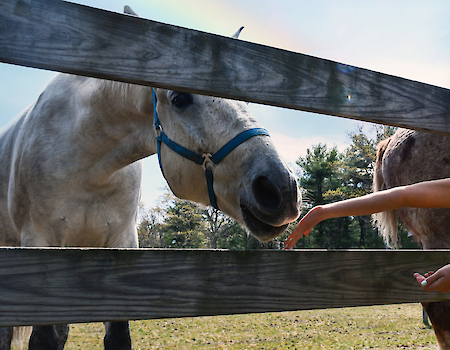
(245,177)
(251,183)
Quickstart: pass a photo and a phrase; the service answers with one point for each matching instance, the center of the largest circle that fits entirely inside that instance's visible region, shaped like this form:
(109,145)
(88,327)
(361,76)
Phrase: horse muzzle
(273,205)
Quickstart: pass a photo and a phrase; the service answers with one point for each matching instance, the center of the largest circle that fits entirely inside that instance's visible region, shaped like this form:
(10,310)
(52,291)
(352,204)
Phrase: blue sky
(410,39)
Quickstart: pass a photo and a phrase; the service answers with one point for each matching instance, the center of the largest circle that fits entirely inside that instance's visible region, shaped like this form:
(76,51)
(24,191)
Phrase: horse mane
(117,88)
(385,221)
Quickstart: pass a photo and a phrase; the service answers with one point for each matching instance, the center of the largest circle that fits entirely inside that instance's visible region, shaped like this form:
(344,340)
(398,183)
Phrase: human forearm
(365,205)
(429,194)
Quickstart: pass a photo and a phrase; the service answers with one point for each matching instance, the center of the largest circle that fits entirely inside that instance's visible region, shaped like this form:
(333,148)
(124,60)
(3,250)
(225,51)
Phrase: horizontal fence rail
(53,285)
(71,38)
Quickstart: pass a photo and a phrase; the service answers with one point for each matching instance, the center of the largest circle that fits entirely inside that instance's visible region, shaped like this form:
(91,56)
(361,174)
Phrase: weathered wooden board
(42,286)
(51,34)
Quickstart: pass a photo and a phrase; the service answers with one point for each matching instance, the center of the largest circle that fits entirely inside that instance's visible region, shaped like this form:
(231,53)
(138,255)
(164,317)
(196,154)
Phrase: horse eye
(182,100)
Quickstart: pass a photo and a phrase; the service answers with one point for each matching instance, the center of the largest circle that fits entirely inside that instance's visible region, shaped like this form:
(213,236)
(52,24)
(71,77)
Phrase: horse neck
(115,125)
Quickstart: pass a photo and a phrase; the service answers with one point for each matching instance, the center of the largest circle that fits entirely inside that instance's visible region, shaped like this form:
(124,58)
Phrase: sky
(410,39)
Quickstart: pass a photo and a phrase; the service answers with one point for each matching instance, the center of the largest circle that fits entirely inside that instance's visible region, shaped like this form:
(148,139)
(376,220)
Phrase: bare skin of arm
(429,194)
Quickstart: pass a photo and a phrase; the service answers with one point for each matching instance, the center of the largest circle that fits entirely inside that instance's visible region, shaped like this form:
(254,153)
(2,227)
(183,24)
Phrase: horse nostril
(266,194)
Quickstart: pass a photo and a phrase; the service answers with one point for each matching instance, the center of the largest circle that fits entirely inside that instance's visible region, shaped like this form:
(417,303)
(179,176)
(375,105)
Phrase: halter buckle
(158,130)
(207,164)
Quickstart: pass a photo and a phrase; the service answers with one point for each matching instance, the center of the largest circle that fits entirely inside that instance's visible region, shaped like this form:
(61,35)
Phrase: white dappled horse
(71,171)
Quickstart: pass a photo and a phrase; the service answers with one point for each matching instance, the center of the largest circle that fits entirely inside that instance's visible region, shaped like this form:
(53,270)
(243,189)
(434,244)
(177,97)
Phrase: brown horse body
(405,158)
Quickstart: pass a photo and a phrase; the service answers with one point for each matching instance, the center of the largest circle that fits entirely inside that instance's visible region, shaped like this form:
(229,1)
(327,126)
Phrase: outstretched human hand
(435,281)
(306,224)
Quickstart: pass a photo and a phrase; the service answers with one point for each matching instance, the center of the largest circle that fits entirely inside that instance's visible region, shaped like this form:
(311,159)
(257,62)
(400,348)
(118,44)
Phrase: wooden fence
(46,286)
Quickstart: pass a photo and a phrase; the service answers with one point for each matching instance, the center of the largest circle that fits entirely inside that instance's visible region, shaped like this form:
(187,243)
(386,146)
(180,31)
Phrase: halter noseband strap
(206,160)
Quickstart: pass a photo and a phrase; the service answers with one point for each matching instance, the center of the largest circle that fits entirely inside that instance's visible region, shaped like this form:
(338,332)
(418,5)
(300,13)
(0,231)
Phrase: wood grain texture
(45,286)
(55,35)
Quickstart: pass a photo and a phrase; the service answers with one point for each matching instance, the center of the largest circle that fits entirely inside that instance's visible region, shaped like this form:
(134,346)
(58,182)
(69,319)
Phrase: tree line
(324,174)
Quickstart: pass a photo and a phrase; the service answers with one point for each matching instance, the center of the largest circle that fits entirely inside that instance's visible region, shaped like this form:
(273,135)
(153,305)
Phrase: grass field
(381,327)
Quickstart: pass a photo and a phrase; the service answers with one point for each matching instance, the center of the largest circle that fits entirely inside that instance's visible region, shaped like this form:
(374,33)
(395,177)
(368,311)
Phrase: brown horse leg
(63,334)
(439,314)
(43,338)
(117,336)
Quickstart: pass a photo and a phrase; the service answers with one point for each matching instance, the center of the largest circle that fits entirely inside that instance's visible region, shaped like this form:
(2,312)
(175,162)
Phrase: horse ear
(129,11)
(236,35)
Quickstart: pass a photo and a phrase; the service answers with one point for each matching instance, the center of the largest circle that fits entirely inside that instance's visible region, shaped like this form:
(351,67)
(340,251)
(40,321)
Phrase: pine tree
(320,179)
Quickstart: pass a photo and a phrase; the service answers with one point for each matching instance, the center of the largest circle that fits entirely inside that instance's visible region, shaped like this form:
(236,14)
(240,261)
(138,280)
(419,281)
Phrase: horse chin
(264,232)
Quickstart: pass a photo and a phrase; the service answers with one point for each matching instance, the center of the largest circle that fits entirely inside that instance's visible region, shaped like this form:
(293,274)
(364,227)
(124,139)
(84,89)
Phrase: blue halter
(206,160)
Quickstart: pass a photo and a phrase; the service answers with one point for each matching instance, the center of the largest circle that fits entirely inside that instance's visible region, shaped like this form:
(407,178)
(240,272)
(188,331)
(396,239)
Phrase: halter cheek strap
(207,160)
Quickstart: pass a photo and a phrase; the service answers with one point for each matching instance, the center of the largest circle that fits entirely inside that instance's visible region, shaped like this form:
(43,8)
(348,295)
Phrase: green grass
(382,327)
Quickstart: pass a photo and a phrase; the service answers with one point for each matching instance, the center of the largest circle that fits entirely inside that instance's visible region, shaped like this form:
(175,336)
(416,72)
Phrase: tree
(358,166)
(183,226)
(149,227)
(177,223)
(321,178)
(327,176)
(172,223)
(149,233)
(218,228)
(383,131)
(318,170)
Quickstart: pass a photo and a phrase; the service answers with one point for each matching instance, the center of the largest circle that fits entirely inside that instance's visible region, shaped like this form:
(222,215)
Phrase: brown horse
(405,158)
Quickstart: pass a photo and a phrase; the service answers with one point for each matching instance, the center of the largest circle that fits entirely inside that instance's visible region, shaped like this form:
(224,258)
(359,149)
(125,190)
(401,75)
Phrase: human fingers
(436,281)
(420,279)
(418,276)
(439,280)
(304,227)
(291,240)
(294,238)
(432,276)
(425,281)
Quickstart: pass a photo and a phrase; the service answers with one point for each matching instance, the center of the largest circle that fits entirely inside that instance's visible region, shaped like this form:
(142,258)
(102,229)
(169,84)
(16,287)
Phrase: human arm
(435,281)
(428,194)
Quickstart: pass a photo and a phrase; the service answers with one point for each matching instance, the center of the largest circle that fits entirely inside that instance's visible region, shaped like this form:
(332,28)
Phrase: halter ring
(207,164)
